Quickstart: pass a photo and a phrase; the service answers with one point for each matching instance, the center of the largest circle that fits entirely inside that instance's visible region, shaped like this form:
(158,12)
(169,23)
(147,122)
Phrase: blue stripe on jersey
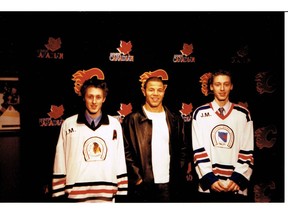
(199,150)
(201,161)
(200,108)
(59,176)
(207,180)
(245,111)
(240,180)
(251,165)
(83,184)
(205,160)
(246,152)
(222,166)
(122,175)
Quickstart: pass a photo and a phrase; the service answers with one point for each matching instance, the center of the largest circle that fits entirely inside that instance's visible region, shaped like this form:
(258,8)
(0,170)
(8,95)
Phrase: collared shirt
(226,107)
(89,119)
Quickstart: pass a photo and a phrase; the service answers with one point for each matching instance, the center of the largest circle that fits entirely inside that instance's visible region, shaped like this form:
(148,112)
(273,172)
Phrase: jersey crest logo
(222,136)
(95,149)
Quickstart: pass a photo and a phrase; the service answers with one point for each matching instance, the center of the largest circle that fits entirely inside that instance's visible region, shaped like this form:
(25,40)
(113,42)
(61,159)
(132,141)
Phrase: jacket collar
(143,116)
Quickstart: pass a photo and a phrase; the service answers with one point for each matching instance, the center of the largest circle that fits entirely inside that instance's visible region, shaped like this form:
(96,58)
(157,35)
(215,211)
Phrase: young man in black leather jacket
(155,148)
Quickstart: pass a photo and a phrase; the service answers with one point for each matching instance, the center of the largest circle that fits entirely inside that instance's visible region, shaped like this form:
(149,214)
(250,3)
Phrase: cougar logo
(81,75)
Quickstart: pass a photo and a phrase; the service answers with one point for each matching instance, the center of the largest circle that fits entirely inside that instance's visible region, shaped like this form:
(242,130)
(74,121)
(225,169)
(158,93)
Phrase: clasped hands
(225,186)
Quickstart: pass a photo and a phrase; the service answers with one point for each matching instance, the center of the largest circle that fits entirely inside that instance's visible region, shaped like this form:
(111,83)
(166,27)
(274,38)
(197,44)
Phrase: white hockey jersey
(89,165)
(223,145)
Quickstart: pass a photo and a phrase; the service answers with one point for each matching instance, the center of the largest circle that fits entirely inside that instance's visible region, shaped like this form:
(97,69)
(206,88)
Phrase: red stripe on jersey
(246,158)
(124,182)
(222,172)
(95,191)
(200,156)
(58,182)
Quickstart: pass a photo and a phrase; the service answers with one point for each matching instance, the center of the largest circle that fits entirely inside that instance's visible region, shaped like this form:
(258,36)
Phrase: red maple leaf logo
(53,44)
(186,109)
(56,111)
(125,47)
(187,49)
(125,109)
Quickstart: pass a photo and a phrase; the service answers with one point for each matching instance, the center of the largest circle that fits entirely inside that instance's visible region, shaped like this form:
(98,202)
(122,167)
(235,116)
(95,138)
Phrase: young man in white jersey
(223,145)
(155,148)
(89,164)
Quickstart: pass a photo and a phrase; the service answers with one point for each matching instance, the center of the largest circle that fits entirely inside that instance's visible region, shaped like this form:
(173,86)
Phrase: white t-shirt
(160,146)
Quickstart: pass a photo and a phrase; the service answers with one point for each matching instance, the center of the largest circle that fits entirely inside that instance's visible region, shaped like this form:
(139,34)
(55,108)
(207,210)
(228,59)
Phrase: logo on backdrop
(205,81)
(185,57)
(81,75)
(263,83)
(241,56)
(55,114)
(124,110)
(51,46)
(263,191)
(186,112)
(266,136)
(157,73)
(123,54)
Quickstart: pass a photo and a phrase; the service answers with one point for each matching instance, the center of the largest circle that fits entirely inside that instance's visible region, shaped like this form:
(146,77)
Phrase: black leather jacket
(137,132)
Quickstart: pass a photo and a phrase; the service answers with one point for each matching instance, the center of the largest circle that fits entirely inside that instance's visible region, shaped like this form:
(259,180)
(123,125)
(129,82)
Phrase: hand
(139,182)
(232,186)
(218,186)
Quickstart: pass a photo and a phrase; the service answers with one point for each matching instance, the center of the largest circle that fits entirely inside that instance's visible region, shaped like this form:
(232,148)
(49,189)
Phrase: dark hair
(93,81)
(153,78)
(220,72)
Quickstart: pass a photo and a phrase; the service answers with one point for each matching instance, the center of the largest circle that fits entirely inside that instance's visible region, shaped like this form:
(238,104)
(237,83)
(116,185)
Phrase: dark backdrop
(248,43)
